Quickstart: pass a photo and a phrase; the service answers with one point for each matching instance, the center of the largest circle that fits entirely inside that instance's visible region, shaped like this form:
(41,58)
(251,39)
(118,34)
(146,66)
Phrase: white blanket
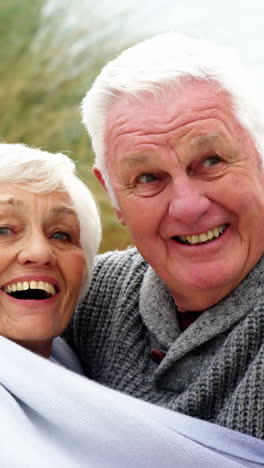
(53,417)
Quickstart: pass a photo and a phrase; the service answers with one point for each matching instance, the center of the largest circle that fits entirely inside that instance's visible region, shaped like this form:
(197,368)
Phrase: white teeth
(204,236)
(195,239)
(49,288)
(192,239)
(216,232)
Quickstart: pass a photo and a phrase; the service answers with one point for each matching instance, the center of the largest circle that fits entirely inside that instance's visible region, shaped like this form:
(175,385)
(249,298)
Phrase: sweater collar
(159,313)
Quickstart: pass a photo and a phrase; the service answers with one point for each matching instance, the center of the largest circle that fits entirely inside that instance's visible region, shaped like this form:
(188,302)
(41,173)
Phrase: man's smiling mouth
(30,290)
(204,237)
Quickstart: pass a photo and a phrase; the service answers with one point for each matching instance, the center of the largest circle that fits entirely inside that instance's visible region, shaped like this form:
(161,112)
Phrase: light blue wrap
(54,417)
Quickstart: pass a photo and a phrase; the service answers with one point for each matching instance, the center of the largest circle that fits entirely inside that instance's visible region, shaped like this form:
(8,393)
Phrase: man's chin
(201,286)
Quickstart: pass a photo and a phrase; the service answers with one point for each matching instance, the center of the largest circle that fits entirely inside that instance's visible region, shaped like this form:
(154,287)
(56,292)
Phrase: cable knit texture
(213,370)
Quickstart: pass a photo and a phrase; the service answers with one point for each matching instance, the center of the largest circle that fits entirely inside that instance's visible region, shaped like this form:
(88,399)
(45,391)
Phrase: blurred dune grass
(46,67)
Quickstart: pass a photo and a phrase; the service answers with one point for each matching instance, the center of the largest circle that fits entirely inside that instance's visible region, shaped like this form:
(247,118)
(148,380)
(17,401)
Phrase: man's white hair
(41,172)
(161,62)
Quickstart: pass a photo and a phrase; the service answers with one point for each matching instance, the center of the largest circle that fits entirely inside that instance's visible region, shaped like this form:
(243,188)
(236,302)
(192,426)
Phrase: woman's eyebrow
(10,200)
(58,210)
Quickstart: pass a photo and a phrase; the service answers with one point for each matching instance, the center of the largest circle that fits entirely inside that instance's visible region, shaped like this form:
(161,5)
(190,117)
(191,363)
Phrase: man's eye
(212,161)
(5,231)
(62,236)
(147,178)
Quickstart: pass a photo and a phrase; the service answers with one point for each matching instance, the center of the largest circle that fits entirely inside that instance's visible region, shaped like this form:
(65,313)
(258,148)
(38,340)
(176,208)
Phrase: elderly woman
(51,416)
(49,234)
(178,132)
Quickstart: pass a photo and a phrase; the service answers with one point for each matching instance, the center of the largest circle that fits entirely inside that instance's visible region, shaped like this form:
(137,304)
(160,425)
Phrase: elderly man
(179,320)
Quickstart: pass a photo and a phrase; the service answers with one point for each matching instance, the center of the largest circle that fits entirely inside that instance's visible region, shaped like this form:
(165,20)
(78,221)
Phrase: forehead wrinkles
(208,130)
(133,125)
(165,107)
(11,201)
(165,128)
(139,118)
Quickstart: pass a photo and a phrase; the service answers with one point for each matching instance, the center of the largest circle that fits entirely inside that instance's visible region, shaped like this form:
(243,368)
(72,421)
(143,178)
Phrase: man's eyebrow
(205,140)
(134,159)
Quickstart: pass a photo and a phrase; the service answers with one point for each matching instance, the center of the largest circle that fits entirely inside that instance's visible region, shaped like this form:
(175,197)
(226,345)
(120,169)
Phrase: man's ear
(119,215)
(100,178)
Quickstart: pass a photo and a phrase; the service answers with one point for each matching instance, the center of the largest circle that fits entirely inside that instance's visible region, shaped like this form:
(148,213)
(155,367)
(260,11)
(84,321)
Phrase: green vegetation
(46,69)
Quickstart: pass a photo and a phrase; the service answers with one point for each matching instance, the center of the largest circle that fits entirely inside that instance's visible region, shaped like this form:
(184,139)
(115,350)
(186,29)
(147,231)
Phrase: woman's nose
(188,202)
(37,250)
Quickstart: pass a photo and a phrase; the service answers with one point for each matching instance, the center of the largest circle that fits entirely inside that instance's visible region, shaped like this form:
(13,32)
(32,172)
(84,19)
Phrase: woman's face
(41,268)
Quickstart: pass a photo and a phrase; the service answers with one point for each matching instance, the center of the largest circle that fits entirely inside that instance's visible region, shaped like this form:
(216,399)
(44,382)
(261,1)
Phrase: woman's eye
(5,231)
(212,161)
(61,236)
(147,178)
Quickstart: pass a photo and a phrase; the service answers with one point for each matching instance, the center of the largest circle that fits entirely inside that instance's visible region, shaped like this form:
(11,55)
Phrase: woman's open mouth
(203,238)
(34,290)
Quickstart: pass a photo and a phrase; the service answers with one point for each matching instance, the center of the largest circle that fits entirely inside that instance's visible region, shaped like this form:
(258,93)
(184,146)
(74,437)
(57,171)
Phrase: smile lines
(203,237)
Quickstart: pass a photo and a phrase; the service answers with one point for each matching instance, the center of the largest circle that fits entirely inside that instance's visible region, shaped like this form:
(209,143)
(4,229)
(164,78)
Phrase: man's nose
(36,250)
(188,202)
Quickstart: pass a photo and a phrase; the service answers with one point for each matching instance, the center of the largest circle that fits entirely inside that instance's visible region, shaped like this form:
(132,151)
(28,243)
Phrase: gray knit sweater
(214,370)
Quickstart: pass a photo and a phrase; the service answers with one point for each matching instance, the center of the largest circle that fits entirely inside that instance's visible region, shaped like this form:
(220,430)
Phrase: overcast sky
(239,23)
(235,22)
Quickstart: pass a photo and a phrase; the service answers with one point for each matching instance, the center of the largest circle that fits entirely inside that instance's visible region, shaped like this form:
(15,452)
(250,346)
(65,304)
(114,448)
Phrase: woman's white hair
(41,172)
(164,61)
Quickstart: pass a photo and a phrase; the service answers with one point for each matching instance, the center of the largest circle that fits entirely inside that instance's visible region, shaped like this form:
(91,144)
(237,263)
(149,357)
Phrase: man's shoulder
(119,261)
(116,274)
(115,271)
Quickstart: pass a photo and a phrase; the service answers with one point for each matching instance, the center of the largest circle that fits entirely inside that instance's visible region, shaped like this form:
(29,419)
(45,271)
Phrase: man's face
(190,189)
